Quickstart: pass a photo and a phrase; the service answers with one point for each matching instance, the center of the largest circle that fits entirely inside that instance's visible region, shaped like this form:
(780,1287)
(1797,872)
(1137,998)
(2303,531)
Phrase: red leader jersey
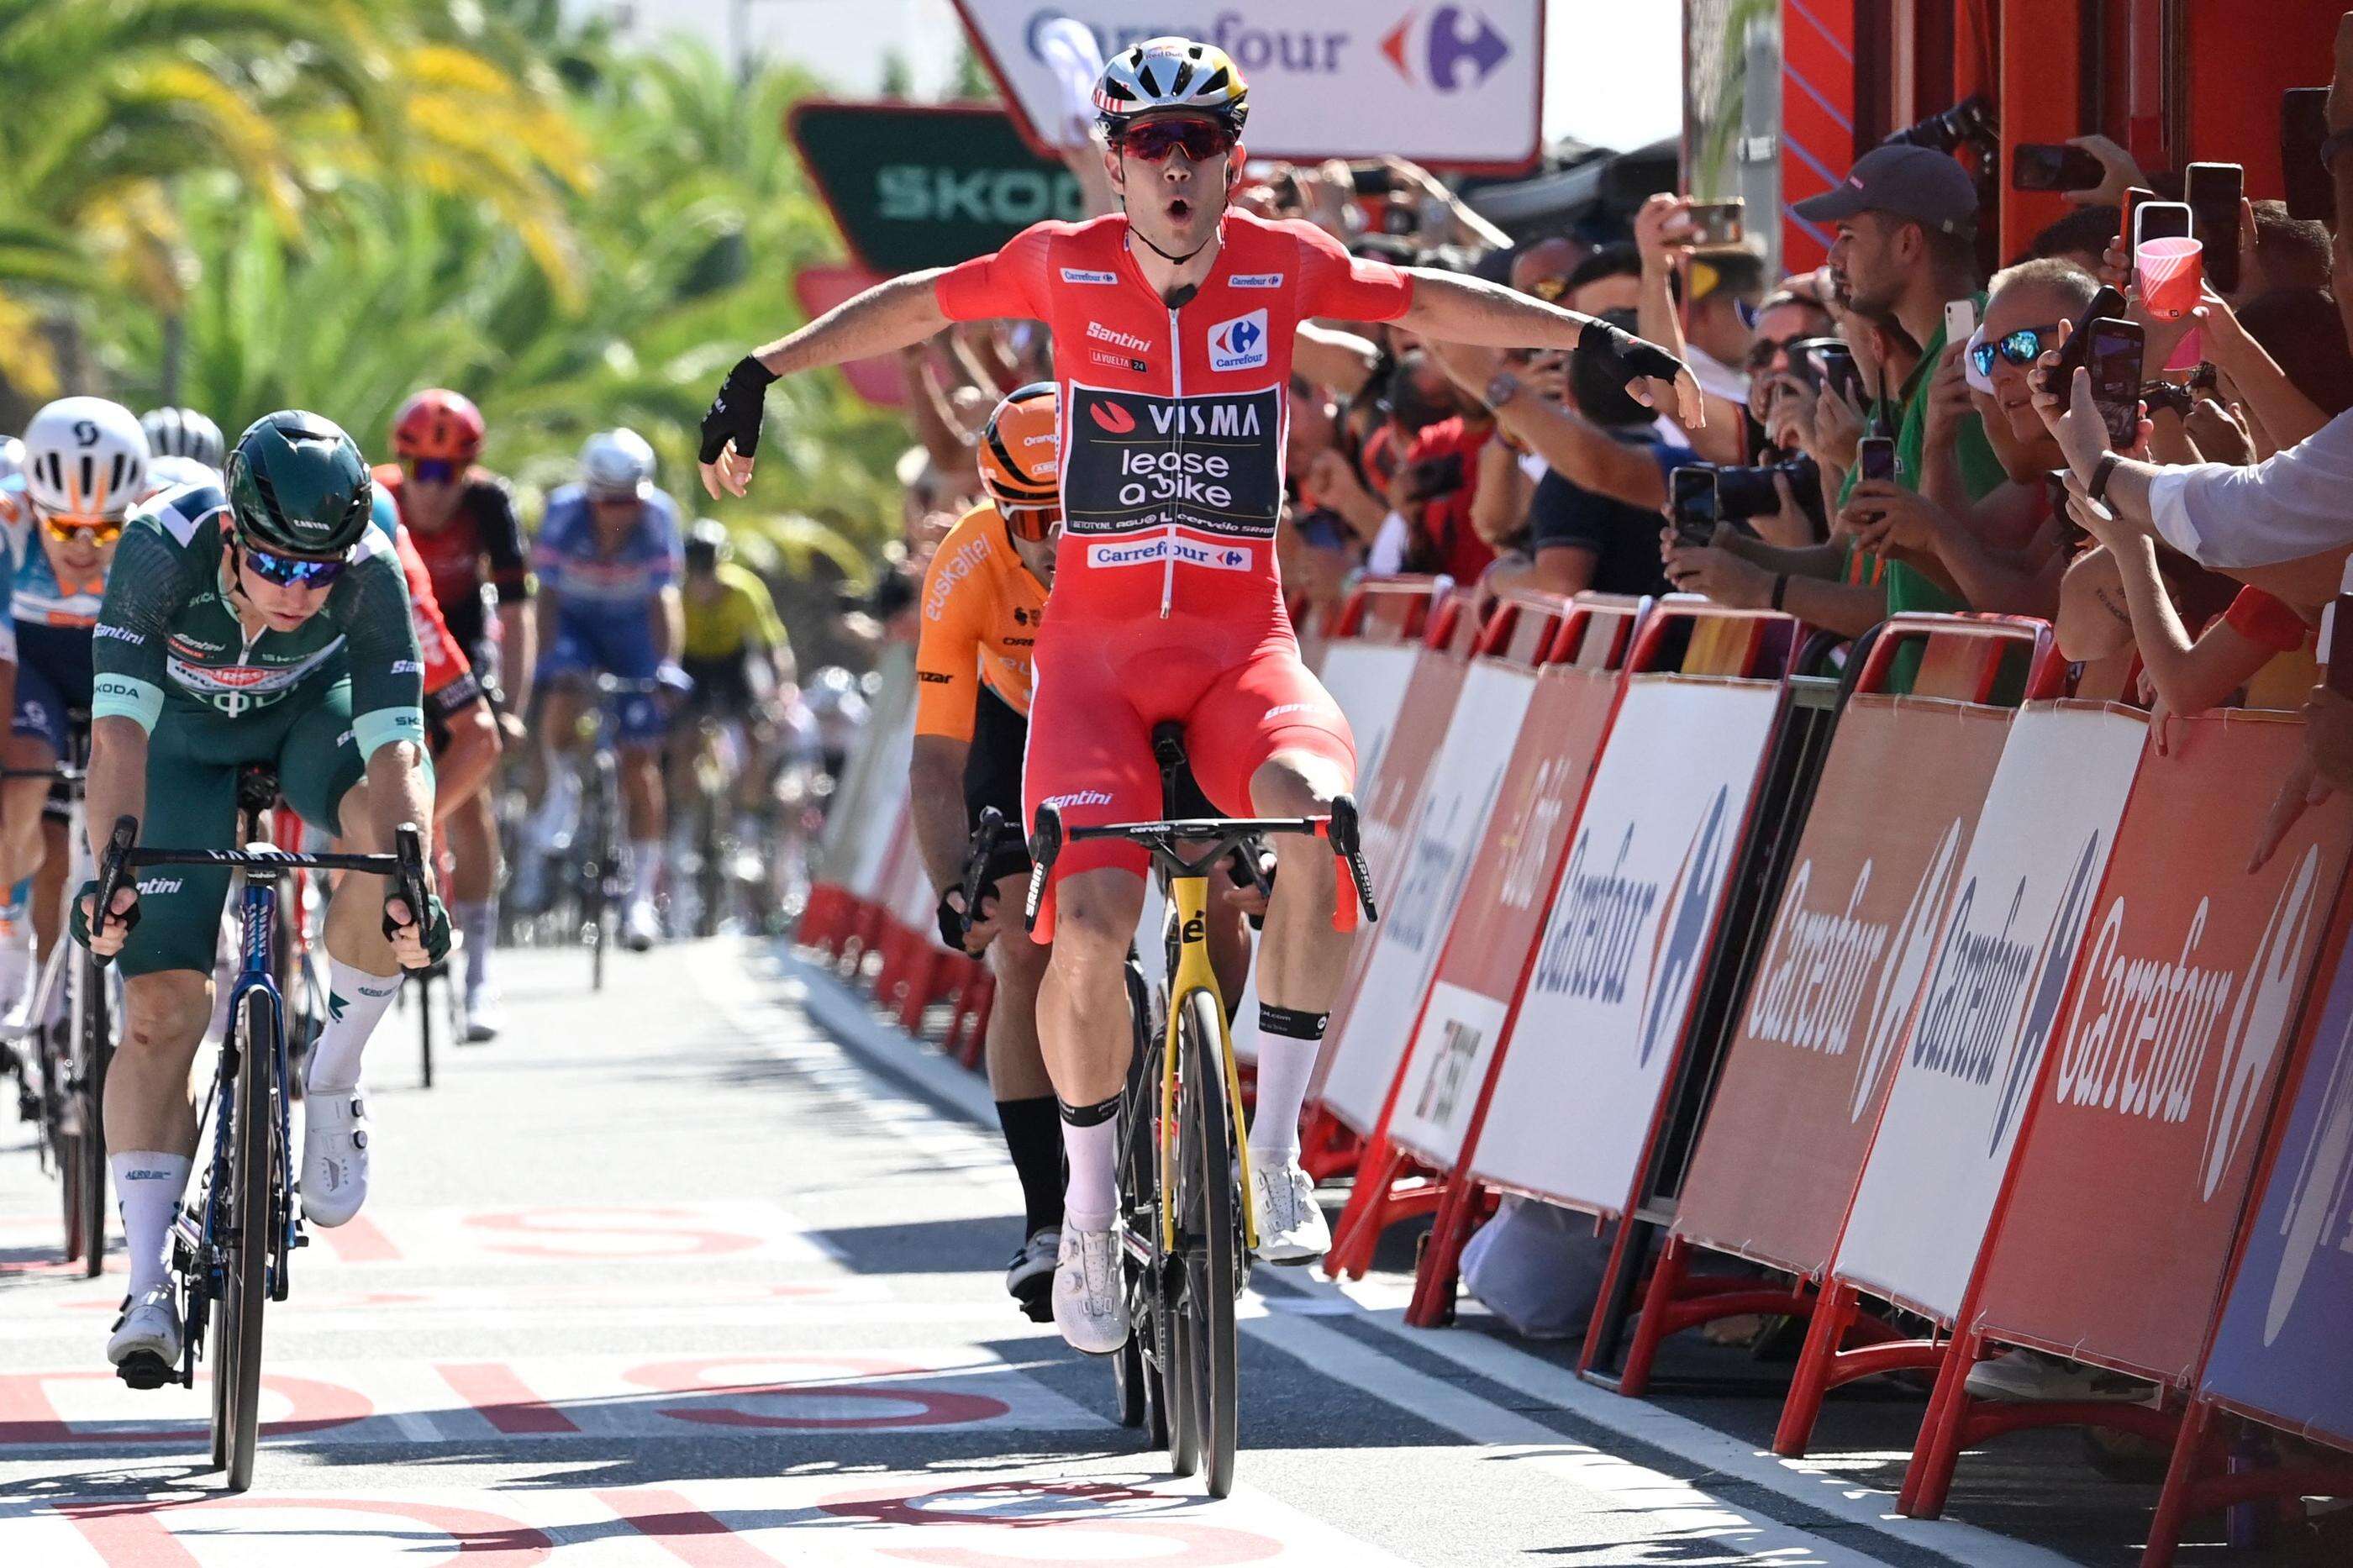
(1167,601)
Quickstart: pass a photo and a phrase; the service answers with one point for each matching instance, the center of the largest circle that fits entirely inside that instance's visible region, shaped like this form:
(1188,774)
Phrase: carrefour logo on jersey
(1169,547)
(1239,344)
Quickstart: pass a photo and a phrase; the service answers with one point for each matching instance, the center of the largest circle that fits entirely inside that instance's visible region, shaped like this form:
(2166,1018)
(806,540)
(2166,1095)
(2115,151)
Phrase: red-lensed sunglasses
(1155,139)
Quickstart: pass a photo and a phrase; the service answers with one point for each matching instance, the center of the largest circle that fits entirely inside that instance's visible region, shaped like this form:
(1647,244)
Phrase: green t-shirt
(166,634)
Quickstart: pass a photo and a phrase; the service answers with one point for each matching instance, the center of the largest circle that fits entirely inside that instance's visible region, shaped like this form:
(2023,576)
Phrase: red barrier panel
(1969,1060)
(1844,965)
(1488,943)
(2139,1145)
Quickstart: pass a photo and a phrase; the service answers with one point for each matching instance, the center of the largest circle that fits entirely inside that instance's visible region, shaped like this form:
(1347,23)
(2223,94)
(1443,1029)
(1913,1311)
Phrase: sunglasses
(68,528)
(1154,139)
(1033,524)
(2020,348)
(1763,352)
(292,571)
(432,471)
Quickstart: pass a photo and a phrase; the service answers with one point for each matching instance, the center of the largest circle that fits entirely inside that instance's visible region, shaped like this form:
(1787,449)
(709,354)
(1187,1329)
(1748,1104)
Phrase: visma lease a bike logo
(1597,929)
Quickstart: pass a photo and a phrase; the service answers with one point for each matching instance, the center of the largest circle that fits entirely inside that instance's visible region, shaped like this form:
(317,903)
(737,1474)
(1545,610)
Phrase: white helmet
(616,462)
(184,433)
(169,471)
(85,457)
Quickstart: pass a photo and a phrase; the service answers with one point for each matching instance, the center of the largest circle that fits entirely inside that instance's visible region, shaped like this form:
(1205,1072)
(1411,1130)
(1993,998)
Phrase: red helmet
(441,425)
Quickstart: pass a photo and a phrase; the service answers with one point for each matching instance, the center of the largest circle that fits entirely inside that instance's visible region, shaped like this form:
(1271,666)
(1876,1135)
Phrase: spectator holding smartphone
(1720,292)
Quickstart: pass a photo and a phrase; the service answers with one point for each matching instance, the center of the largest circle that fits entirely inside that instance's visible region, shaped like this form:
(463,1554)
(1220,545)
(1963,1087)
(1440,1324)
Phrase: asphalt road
(706,1269)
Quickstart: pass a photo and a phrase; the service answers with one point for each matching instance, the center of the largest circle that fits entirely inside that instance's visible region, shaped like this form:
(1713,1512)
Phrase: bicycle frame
(1188,894)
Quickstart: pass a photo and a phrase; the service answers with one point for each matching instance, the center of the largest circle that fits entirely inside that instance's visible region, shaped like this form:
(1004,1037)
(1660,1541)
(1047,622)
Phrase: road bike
(1185,1229)
(231,1242)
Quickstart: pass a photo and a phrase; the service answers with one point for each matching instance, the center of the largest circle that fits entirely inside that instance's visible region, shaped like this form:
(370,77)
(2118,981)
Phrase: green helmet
(299,486)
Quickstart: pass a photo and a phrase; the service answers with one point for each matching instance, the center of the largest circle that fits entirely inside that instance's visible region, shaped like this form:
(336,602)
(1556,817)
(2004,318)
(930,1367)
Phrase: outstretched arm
(1462,309)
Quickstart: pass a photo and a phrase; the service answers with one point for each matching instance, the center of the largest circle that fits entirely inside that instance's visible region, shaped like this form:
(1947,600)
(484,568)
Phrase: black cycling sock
(1292,1023)
(1035,1141)
(1089,1115)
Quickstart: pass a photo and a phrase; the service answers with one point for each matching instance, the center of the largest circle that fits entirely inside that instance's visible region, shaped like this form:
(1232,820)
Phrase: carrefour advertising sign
(1455,83)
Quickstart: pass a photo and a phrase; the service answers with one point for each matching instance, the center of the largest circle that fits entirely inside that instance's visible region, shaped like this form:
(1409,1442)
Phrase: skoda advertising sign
(917,186)
(1454,83)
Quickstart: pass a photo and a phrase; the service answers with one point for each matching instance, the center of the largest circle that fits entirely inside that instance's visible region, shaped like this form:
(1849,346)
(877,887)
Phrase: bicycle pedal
(145,1369)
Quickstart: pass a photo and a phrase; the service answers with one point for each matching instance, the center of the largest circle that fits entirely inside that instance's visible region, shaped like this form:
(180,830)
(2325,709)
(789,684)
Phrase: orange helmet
(439,425)
(1020,459)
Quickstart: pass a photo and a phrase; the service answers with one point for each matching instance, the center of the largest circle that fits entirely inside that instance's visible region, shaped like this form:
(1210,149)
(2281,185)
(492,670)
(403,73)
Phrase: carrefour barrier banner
(858,827)
(1503,906)
(1368,681)
(1625,940)
(1447,827)
(1843,967)
(2281,1350)
(1969,1060)
(1456,85)
(2134,1167)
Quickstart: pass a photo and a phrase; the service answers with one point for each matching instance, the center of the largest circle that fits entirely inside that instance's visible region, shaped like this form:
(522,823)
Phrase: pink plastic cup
(2171,270)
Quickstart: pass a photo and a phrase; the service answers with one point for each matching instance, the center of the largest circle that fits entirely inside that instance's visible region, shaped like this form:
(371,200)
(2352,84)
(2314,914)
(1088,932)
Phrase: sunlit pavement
(672,1274)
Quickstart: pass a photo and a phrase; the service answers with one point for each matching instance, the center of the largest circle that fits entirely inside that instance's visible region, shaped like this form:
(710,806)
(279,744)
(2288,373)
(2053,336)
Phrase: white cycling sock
(148,1185)
(1284,1066)
(644,869)
(356,1000)
(1090,1190)
(477,924)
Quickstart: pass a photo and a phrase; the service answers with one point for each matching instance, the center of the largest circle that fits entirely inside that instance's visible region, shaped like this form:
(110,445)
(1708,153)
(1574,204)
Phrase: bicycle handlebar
(404,865)
(1342,829)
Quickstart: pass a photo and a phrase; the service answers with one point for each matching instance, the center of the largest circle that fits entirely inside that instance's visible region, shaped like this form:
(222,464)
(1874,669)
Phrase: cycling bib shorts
(1167,600)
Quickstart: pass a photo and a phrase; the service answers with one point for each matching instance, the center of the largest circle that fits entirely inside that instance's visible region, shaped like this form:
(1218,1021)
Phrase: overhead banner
(1453,86)
(912,185)
(1448,824)
(1844,965)
(2135,1164)
(2279,1352)
(1502,910)
(1626,939)
(1969,1061)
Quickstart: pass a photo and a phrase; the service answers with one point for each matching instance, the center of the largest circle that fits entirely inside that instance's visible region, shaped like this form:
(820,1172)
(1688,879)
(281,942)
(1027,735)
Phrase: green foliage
(249,204)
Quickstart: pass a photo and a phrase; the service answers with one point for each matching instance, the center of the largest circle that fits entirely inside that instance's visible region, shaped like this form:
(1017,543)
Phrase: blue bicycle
(230,1244)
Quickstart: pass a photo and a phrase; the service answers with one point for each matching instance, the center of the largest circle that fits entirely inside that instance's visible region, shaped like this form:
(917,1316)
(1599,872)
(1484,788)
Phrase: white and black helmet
(85,457)
(616,462)
(1171,73)
(184,433)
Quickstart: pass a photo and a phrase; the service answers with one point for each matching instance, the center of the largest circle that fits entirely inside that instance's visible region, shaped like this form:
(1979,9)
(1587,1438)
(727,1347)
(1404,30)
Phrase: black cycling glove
(79,925)
(735,414)
(435,927)
(956,924)
(1634,357)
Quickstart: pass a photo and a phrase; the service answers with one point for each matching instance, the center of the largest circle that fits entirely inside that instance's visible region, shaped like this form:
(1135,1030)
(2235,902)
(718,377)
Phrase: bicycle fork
(1190,896)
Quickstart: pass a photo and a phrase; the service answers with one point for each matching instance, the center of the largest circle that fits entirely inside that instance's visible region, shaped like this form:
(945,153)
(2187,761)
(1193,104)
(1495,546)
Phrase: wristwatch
(1501,387)
(2101,473)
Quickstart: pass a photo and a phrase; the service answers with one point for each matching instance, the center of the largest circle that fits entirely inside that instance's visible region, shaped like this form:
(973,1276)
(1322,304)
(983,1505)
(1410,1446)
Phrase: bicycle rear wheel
(251,1208)
(1211,1229)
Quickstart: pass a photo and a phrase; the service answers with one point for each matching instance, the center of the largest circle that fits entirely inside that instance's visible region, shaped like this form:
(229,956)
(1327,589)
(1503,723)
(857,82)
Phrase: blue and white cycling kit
(50,623)
(606,603)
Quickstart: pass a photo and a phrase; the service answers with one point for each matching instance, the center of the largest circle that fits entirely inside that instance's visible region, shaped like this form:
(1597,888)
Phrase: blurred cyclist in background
(741,662)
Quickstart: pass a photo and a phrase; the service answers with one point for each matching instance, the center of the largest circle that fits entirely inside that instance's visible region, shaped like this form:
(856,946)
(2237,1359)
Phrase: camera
(1971,120)
(1746,492)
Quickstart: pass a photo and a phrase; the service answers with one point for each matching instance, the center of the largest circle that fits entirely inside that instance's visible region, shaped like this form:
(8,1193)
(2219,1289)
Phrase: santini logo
(1128,340)
(1239,344)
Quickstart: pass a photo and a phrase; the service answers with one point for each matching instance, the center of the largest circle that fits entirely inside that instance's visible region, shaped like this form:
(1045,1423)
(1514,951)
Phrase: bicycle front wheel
(252,1210)
(1210,1229)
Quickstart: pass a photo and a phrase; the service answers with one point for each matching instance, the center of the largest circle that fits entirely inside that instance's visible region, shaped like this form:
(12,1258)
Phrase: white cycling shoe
(484,1016)
(1030,1277)
(145,1345)
(1089,1302)
(641,928)
(1291,1228)
(334,1155)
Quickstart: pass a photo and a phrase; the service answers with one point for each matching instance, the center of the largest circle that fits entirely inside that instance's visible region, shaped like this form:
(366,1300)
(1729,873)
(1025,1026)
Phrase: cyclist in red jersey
(1173,325)
(462,519)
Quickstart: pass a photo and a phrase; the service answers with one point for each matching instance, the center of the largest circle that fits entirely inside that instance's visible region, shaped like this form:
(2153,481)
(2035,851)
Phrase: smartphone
(2160,220)
(2134,195)
(1835,369)
(1961,320)
(2212,192)
(2106,302)
(2115,363)
(1371,179)
(1692,506)
(2303,126)
(1874,458)
(2336,637)
(1717,223)
(2053,166)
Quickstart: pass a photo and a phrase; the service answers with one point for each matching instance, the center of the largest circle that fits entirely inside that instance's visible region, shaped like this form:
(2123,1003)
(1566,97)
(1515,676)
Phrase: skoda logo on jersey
(1239,344)
(2259,1024)
(1683,929)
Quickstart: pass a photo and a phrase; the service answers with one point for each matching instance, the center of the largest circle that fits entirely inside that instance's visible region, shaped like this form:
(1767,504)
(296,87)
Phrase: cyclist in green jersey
(264,622)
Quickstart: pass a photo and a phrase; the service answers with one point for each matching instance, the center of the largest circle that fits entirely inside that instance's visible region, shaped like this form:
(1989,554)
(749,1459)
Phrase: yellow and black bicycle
(1187,1231)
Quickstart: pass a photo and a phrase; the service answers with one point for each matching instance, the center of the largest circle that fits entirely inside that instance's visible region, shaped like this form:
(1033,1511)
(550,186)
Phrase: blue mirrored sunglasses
(2020,348)
(292,571)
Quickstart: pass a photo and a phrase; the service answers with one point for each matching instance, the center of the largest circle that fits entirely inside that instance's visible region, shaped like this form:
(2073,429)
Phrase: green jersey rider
(268,623)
